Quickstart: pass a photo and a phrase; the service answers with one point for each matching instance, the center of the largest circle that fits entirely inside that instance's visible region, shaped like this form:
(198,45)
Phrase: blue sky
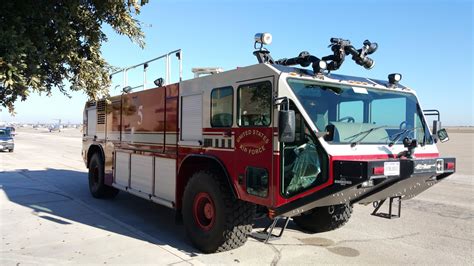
(429,42)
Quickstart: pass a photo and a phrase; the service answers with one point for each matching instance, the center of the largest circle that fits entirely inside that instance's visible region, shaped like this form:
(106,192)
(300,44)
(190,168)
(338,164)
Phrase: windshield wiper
(401,134)
(335,90)
(366,132)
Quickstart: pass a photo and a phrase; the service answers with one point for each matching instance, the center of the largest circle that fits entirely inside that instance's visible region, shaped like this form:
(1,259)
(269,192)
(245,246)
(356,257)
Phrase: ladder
(167,79)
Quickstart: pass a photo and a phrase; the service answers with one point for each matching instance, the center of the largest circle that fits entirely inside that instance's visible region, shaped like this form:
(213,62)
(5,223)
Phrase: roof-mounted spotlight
(263,38)
(127,89)
(262,54)
(159,82)
(319,67)
(394,78)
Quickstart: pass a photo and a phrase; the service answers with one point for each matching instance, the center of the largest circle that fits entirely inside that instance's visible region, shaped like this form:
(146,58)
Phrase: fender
(214,160)
(94,148)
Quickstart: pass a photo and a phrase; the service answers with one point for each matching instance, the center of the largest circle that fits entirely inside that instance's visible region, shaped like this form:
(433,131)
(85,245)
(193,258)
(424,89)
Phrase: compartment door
(191,119)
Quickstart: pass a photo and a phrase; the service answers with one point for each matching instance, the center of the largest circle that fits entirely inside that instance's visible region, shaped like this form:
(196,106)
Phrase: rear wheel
(214,220)
(325,218)
(96,179)
(10,150)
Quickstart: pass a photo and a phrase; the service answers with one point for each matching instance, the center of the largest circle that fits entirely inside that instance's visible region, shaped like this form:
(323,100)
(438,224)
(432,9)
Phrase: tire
(10,150)
(214,219)
(96,179)
(323,219)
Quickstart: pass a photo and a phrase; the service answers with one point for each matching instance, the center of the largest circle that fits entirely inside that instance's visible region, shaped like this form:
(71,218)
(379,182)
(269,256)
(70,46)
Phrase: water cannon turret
(339,47)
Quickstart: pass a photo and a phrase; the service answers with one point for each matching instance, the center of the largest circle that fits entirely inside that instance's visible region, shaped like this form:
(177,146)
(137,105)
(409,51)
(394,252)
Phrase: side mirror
(442,135)
(286,126)
(330,133)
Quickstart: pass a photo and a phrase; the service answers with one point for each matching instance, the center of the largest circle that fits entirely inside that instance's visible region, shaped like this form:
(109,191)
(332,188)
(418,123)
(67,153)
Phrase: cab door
(254,140)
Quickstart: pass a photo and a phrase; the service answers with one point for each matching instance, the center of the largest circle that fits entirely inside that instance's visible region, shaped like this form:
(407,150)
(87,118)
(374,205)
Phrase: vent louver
(100,119)
(101,106)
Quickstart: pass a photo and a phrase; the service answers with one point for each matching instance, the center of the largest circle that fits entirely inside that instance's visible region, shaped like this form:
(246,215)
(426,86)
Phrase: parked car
(6,140)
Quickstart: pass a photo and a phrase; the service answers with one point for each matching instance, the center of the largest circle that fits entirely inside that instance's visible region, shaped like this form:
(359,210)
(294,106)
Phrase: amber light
(450,166)
(271,214)
(378,170)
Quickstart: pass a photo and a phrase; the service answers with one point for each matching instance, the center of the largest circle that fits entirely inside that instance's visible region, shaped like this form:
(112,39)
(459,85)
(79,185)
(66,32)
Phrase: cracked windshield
(358,115)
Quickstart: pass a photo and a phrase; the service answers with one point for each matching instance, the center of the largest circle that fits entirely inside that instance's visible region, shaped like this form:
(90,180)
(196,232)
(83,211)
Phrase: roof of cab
(350,80)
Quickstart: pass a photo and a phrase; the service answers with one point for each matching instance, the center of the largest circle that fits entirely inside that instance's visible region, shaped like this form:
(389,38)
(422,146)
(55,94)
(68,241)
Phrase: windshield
(4,133)
(359,115)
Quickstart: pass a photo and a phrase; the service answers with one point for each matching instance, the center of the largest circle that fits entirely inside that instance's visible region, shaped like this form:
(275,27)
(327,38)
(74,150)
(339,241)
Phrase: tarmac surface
(47,216)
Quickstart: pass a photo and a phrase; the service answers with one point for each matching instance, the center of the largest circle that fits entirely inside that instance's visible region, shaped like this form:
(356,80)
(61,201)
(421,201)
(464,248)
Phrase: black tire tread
(104,191)
(319,219)
(238,215)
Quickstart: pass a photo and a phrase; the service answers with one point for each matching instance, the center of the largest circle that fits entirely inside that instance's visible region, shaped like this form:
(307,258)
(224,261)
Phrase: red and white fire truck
(272,138)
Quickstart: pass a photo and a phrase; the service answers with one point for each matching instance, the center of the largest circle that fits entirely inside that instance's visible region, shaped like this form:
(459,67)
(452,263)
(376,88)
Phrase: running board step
(267,233)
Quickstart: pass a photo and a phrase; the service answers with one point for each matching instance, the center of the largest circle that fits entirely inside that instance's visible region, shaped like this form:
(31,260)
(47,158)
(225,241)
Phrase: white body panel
(149,137)
(165,178)
(191,125)
(91,122)
(142,173)
(122,168)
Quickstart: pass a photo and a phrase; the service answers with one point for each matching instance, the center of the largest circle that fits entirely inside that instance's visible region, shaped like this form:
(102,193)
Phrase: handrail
(432,112)
(179,55)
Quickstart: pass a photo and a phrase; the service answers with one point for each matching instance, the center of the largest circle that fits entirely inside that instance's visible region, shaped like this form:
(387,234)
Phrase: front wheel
(214,220)
(323,219)
(96,179)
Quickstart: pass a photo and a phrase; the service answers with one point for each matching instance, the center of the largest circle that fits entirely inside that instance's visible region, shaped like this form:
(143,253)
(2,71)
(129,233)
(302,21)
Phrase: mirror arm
(322,134)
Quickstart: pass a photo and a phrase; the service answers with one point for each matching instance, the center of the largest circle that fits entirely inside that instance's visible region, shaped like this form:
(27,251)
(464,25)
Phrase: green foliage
(45,42)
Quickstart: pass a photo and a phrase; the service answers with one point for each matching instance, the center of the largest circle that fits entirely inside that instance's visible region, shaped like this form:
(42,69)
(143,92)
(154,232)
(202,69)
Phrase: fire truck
(287,139)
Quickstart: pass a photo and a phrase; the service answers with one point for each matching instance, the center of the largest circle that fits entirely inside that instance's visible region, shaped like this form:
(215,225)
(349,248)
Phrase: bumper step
(389,215)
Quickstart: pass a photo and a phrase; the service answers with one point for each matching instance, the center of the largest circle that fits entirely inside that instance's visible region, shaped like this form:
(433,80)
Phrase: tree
(44,43)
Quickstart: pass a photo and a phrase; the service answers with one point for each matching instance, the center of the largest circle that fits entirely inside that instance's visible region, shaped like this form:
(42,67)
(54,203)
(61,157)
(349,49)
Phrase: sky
(429,42)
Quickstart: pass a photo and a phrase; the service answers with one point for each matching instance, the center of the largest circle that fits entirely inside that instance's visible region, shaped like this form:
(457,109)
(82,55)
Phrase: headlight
(10,141)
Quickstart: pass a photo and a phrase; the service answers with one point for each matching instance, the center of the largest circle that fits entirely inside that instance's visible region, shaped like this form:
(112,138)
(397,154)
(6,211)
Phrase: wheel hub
(208,211)
(204,211)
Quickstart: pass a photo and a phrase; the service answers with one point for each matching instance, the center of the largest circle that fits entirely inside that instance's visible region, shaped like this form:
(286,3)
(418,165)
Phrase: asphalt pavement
(47,216)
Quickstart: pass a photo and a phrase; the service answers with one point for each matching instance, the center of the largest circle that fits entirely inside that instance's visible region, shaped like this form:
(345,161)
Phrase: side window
(351,111)
(222,100)
(255,104)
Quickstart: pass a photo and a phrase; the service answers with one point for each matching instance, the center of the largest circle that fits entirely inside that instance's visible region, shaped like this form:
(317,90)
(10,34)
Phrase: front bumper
(362,182)
(7,146)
